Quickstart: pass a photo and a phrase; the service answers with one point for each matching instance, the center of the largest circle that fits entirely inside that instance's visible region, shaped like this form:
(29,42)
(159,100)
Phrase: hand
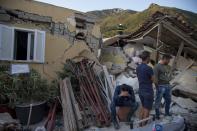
(124,93)
(156,86)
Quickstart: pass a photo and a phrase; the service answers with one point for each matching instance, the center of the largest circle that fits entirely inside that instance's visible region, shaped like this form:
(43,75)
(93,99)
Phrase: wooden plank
(180,34)
(158,41)
(145,34)
(68,112)
(66,124)
(74,102)
(177,56)
(110,89)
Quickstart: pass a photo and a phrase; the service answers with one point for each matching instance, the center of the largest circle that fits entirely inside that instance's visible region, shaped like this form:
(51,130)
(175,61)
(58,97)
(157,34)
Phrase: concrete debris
(8,123)
(184,78)
(30,16)
(6,118)
(137,60)
(185,103)
(133,82)
(132,50)
(132,65)
(4,17)
(191,121)
(129,50)
(176,109)
(116,56)
(121,58)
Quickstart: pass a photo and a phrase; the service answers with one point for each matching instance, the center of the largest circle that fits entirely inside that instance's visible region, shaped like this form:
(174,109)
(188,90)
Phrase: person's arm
(116,93)
(131,94)
(156,75)
(150,73)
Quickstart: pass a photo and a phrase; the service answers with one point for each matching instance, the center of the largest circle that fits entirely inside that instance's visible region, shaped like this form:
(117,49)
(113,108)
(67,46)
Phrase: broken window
(21,44)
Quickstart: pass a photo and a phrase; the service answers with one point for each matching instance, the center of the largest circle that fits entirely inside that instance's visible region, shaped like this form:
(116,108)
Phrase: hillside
(109,19)
(102,14)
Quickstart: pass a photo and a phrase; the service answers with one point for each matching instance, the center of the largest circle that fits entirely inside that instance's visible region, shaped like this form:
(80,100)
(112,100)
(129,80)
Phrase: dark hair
(166,56)
(125,87)
(152,62)
(144,55)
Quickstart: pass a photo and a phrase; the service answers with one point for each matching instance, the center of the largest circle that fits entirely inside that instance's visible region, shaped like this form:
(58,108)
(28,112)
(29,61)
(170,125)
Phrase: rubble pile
(122,63)
(184,92)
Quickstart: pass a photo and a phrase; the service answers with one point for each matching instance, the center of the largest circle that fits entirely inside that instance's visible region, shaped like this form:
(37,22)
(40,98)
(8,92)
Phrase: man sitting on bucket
(123,97)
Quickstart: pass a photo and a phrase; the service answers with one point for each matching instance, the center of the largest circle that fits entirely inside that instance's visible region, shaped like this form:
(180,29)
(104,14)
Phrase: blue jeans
(163,91)
(119,103)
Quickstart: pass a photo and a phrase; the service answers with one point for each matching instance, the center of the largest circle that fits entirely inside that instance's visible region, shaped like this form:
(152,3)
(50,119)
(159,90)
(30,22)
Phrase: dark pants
(119,102)
(163,91)
(147,98)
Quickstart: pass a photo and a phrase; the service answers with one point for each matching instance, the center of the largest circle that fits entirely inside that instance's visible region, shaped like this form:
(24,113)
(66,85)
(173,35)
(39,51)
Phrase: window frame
(28,46)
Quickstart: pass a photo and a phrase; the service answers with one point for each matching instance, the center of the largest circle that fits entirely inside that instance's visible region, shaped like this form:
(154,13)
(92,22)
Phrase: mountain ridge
(109,19)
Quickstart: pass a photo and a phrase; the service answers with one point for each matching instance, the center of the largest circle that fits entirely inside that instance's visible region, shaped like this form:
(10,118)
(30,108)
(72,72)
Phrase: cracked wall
(61,43)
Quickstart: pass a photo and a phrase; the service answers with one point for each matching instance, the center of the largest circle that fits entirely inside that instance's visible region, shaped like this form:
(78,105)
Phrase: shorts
(146,99)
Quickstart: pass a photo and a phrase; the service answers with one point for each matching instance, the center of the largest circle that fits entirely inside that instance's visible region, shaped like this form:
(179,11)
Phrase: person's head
(152,62)
(166,59)
(145,56)
(124,87)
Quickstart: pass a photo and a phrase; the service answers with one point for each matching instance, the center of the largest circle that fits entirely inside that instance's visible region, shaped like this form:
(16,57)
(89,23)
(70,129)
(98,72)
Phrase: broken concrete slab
(137,60)
(176,109)
(6,118)
(185,103)
(133,82)
(7,123)
(30,16)
(191,121)
(5,17)
(108,65)
(186,84)
(132,65)
(115,56)
(129,50)
(184,92)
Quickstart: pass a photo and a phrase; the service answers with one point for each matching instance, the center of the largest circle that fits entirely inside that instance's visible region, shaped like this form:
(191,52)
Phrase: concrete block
(2,11)
(4,17)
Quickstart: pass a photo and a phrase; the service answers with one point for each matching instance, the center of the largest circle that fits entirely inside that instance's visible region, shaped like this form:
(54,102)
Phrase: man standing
(145,78)
(123,97)
(163,89)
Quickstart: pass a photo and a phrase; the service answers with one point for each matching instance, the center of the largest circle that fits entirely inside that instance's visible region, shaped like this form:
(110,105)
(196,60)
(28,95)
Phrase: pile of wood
(89,106)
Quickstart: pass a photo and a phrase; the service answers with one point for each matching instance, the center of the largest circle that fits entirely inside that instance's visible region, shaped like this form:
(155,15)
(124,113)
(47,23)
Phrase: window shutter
(6,42)
(39,49)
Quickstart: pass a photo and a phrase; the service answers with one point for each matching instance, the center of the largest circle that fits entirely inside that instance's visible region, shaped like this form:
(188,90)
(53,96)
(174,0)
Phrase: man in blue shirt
(145,78)
(123,97)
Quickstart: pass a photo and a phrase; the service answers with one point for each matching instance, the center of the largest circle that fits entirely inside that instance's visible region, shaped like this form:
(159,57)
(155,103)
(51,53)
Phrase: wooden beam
(145,34)
(177,56)
(158,41)
(180,34)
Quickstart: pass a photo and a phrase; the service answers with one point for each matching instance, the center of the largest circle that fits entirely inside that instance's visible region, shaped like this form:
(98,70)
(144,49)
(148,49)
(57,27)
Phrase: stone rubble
(184,93)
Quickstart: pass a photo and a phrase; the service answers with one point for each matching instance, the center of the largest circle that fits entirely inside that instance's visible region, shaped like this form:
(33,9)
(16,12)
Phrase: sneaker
(157,117)
(116,125)
(168,114)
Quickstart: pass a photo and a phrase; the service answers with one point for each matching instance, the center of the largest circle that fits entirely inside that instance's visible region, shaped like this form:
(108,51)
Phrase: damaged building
(31,34)
(50,39)
(160,34)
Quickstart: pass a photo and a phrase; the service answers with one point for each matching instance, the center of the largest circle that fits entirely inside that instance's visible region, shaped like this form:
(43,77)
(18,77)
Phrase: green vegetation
(133,20)
(25,88)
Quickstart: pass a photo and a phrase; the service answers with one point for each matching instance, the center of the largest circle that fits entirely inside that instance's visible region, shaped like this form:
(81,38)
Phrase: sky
(137,5)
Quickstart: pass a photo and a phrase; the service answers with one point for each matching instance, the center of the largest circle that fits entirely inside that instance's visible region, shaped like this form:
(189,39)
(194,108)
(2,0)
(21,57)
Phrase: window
(21,44)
